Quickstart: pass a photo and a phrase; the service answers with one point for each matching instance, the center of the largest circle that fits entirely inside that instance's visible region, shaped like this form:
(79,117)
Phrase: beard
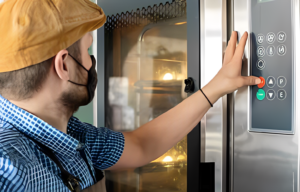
(74,98)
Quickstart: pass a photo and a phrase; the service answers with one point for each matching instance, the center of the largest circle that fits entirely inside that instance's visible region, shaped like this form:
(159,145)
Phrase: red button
(262,83)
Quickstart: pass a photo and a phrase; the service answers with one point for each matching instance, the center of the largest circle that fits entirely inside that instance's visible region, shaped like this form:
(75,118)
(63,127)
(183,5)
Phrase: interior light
(180,157)
(180,23)
(168,159)
(168,76)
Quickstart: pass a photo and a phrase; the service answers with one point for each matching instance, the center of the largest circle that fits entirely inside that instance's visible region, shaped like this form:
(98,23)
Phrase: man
(46,74)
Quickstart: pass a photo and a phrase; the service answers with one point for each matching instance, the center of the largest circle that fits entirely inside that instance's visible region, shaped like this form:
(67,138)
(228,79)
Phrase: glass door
(146,64)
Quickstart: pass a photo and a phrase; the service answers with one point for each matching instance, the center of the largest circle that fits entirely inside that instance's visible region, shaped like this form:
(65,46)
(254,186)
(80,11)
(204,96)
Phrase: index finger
(241,47)
(230,48)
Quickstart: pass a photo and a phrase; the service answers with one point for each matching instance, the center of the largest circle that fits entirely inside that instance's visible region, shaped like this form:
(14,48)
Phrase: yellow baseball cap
(32,31)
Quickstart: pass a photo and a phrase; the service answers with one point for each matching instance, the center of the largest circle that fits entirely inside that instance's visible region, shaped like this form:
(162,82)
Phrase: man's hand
(229,77)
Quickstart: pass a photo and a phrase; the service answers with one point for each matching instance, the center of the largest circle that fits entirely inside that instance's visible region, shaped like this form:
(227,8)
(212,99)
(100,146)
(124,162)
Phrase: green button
(261,94)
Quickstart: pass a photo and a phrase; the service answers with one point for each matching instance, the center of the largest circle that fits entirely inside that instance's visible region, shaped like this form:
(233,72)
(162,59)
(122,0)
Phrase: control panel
(271,102)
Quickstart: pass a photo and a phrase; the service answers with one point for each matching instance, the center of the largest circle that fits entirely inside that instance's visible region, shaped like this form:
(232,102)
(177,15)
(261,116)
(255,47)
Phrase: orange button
(262,83)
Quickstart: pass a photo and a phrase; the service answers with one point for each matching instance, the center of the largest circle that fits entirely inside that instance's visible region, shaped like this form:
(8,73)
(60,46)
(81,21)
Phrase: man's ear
(60,65)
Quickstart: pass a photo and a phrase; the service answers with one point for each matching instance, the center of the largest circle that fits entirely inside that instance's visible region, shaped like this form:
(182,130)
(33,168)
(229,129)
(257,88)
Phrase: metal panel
(230,104)
(262,162)
(213,124)
(193,57)
(100,102)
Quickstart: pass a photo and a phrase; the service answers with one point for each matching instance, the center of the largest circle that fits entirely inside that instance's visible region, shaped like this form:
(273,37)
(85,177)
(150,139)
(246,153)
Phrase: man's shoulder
(14,145)
(15,158)
(17,149)
(22,165)
(8,134)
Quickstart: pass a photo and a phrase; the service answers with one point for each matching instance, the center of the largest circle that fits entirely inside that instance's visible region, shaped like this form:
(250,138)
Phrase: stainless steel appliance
(264,154)
(249,140)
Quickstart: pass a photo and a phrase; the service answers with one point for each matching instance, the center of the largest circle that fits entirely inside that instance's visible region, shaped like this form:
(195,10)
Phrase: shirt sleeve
(105,146)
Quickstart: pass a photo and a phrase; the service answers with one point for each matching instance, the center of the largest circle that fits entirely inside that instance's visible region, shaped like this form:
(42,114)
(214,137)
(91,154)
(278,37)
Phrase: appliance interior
(145,71)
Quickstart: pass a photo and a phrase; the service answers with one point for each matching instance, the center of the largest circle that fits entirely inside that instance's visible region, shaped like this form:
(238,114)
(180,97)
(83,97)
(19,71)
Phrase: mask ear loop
(78,63)
(81,66)
(77,83)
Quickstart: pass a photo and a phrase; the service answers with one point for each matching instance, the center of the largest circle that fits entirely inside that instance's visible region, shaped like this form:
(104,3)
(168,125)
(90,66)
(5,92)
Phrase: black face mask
(92,78)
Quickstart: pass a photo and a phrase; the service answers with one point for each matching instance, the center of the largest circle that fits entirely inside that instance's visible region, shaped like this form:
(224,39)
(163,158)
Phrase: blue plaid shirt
(23,167)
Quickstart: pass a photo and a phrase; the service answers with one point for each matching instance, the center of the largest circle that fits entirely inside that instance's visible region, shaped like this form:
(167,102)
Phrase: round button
(271,94)
(281,81)
(260,64)
(260,38)
(260,51)
(281,37)
(281,50)
(260,95)
(262,83)
(271,50)
(271,81)
(271,38)
(281,94)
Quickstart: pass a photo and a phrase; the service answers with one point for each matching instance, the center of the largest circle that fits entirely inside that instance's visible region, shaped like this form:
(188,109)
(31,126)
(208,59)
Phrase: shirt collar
(37,129)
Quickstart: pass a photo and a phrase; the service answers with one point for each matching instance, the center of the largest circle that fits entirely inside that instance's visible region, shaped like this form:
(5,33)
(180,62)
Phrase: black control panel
(271,102)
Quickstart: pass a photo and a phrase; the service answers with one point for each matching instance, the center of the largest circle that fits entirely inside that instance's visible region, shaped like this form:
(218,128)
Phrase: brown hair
(23,83)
